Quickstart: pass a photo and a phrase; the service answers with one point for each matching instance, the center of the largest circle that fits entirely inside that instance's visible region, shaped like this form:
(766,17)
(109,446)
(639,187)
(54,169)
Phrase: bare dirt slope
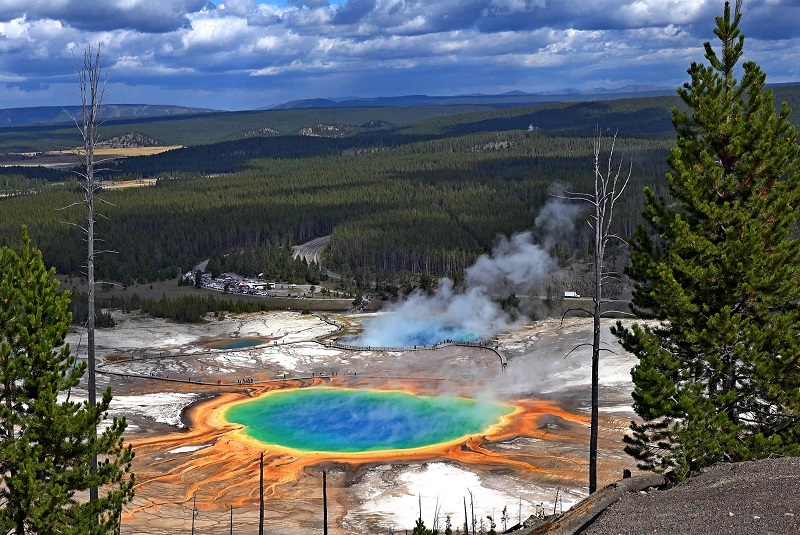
(734,499)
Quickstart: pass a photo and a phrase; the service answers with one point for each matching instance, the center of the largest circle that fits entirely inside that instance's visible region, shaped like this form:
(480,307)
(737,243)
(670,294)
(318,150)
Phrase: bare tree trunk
(324,503)
(466,518)
(92,87)
(194,510)
(609,184)
(472,507)
(598,295)
(261,496)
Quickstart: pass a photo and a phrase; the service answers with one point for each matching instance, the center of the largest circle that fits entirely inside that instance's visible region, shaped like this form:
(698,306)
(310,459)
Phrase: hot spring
(392,331)
(236,343)
(340,420)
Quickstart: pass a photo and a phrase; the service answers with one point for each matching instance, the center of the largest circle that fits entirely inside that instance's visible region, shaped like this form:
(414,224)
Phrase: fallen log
(582,513)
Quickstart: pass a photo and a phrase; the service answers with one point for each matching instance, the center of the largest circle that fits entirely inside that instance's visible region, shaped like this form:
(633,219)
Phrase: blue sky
(245,54)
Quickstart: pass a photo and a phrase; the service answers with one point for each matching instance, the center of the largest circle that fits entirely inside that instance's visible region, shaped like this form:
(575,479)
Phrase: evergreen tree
(420,529)
(718,376)
(46,443)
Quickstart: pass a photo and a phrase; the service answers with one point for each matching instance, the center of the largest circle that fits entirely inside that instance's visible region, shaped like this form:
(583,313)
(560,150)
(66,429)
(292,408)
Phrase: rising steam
(472,313)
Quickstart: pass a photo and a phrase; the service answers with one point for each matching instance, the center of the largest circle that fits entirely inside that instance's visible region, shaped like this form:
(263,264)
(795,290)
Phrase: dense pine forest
(400,190)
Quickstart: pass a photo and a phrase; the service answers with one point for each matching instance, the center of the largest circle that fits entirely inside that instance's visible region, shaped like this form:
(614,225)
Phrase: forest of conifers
(415,190)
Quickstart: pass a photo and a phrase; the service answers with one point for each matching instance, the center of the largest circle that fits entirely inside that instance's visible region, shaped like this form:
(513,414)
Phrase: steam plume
(515,265)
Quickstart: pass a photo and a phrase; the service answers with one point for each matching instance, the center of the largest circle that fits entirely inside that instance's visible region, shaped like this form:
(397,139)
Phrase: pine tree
(718,376)
(46,443)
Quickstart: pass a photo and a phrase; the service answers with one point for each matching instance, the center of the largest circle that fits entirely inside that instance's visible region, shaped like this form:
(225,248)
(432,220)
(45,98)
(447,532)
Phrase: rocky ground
(734,499)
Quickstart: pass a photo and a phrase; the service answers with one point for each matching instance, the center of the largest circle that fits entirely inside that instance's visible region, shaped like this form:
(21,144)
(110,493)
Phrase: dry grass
(71,157)
(130,183)
(108,152)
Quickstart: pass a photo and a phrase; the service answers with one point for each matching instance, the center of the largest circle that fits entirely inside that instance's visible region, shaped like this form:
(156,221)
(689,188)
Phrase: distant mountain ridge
(511,98)
(60,114)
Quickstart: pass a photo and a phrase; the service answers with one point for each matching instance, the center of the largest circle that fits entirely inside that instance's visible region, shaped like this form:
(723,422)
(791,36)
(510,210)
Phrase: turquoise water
(350,421)
(391,331)
(236,343)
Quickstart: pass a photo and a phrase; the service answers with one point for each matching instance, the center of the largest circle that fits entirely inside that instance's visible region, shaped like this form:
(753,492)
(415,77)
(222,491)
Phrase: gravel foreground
(757,497)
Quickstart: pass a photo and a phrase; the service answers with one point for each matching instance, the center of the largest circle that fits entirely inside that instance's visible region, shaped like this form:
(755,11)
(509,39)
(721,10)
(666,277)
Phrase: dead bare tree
(324,503)
(194,510)
(437,510)
(609,184)
(472,507)
(92,82)
(261,495)
(466,518)
(91,90)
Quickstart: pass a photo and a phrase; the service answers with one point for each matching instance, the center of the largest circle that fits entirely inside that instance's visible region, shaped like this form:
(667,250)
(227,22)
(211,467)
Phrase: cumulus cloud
(216,34)
(771,19)
(354,11)
(241,8)
(142,15)
(258,49)
(309,3)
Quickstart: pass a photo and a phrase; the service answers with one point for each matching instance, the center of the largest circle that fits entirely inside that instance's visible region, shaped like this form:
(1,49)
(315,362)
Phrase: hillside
(513,98)
(736,499)
(62,114)
(642,115)
(216,127)
(420,190)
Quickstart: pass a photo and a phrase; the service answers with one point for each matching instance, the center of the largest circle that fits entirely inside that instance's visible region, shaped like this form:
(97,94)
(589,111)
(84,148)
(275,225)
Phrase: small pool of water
(384,332)
(236,343)
(345,420)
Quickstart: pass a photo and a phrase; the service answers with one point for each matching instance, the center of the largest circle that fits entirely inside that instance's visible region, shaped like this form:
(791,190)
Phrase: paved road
(312,250)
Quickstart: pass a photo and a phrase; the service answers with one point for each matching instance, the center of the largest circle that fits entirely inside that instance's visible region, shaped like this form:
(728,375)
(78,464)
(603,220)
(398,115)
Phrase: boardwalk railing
(481,345)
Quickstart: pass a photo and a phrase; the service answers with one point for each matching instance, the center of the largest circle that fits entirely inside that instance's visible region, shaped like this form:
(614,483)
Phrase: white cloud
(315,48)
(143,15)
(660,12)
(241,8)
(216,34)
(13,31)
